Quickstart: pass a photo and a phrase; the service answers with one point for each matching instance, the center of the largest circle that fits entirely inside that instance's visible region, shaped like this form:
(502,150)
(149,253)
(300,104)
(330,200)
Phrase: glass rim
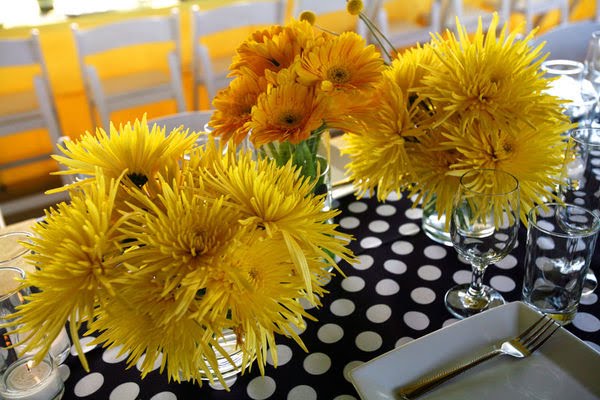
(593,230)
(576,138)
(550,66)
(19,254)
(18,271)
(494,171)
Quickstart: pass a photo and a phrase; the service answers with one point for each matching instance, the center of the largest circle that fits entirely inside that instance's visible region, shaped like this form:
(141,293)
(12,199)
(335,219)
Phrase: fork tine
(532,327)
(548,335)
(536,334)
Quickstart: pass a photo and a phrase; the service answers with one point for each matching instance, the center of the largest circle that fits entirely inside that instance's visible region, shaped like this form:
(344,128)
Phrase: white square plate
(563,368)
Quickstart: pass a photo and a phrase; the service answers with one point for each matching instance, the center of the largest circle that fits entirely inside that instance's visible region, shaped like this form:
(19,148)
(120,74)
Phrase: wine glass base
(462,305)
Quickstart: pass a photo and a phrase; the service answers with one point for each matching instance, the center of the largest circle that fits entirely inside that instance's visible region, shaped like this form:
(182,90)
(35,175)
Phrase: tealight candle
(26,380)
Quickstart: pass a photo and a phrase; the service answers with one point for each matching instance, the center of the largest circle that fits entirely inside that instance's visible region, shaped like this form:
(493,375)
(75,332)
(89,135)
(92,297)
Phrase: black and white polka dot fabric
(393,295)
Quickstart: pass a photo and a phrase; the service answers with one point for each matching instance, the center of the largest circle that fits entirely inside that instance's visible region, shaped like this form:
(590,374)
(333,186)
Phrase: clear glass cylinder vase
(228,341)
(434,224)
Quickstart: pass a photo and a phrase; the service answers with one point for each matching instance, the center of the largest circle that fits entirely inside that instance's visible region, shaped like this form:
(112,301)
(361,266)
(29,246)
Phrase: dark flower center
(338,75)
(138,180)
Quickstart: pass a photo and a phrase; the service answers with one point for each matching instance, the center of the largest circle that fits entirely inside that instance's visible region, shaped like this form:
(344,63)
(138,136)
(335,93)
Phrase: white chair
(106,95)
(194,120)
(24,111)
(469,14)
(320,7)
(212,71)
(533,8)
(407,33)
(568,42)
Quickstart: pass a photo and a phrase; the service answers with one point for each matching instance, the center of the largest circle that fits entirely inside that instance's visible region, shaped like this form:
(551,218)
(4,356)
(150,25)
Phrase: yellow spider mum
(76,249)
(137,149)
(387,125)
(288,112)
(346,61)
(233,105)
(495,80)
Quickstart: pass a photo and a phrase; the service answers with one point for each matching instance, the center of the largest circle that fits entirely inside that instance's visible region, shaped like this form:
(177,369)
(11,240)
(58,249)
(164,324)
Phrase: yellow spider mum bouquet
(290,85)
(167,246)
(456,104)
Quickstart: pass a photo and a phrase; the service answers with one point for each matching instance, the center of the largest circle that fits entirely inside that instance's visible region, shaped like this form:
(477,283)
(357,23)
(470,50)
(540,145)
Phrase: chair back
(567,42)
(212,72)
(194,120)
(109,94)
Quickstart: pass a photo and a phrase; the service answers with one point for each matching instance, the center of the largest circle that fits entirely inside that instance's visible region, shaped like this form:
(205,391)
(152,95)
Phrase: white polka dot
(164,396)
(357,207)
(307,305)
(64,371)
(387,287)
(370,242)
(284,355)
(368,341)
(353,284)
(344,397)
(507,262)
(317,363)
(349,222)
(156,364)
(261,387)
(84,344)
(89,384)
(378,226)
(217,385)
(365,261)
(414,213)
(401,247)
(545,243)
(422,295)
(125,391)
(593,345)
(435,252)
(393,196)
(429,272)
(302,392)
(403,340)
(379,313)
(462,276)
(450,321)
(342,307)
(349,367)
(111,356)
(502,283)
(330,333)
(395,266)
(385,210)
(589,299)
(416,320)
(586,322)
(409,229)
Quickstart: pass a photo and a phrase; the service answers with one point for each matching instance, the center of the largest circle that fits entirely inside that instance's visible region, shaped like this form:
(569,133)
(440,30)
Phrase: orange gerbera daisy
(287,112)
(234,104)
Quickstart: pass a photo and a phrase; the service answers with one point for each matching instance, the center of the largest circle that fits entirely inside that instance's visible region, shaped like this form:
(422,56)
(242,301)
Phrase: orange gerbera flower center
(289,118)
(338,75)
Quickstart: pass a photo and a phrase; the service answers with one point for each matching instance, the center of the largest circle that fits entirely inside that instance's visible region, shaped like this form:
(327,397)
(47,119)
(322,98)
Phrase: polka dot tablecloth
(393,295)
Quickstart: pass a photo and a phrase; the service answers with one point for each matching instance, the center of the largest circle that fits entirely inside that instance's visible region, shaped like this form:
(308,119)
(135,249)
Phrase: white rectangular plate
(563,368)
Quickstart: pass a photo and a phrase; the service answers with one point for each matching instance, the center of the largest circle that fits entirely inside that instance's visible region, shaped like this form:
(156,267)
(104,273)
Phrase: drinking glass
(581,184)
(569,84)
(560,245)
(483,229)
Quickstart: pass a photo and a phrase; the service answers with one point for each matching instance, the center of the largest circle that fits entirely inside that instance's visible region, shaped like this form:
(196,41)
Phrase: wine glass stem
(476,288)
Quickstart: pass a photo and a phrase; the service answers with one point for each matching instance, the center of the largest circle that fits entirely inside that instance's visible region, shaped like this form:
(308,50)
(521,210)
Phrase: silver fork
(521,346)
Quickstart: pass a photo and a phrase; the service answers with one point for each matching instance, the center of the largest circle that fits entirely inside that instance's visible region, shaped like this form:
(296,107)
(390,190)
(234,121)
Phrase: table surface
(392,296)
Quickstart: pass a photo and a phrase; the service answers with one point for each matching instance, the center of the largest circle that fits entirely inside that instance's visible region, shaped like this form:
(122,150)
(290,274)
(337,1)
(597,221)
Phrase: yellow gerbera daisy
(287,112)
(233,105)
(345,61)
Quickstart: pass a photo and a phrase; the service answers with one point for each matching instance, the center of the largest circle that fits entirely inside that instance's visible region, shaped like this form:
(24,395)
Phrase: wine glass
(483,229)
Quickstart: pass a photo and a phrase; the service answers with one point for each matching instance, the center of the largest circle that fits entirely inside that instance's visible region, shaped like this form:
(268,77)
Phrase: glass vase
(228,341)
(434,224)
